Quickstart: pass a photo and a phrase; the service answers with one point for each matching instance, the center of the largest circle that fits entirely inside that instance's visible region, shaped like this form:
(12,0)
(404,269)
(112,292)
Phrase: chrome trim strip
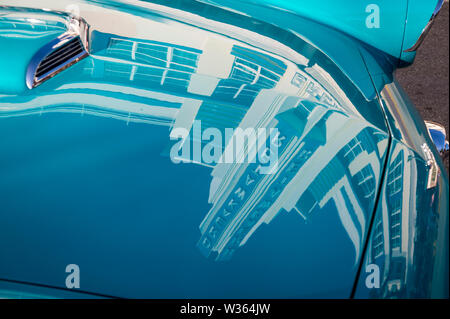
(427,27)
(77,27)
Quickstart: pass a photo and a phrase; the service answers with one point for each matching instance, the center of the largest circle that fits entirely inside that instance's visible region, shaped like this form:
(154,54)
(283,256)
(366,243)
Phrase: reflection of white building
(132,61)
(324,156)
(394,229)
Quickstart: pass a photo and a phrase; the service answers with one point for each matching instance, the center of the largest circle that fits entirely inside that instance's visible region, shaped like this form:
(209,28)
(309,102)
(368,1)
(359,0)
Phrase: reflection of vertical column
(169,55)
(209,71)
(410,217)
(133,72)
(133,50)
(187,113)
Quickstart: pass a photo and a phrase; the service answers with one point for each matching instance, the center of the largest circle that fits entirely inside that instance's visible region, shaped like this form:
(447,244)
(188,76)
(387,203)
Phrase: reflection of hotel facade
(324,156)
(395,230)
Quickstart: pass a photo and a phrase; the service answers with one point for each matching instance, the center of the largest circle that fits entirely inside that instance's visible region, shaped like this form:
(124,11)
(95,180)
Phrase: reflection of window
(118,69)
(89,67)
(247,69)
(352,149)
(258,65)
(220,116)
(158,54)
(395,176)
(366,181)
(379,136)
(395,242)
(394,200)
(238,92)
(299,80)
(152,63)
(120,48)
(378,240)
(251,72)
(395,208)
(245,82)
(147,75)
(314,90)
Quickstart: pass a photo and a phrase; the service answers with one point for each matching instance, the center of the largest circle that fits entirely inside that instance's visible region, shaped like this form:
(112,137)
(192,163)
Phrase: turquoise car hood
(93,171)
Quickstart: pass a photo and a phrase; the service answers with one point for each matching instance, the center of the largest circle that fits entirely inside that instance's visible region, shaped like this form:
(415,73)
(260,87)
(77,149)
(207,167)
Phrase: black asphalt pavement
(426,81)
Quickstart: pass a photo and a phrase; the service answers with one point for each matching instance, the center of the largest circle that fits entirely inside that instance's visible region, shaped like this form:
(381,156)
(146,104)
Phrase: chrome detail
(427,27)
(438,135)
(73,45)
(433,168)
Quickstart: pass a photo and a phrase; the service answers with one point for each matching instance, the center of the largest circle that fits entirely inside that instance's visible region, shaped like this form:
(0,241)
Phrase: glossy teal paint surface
(87,175)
